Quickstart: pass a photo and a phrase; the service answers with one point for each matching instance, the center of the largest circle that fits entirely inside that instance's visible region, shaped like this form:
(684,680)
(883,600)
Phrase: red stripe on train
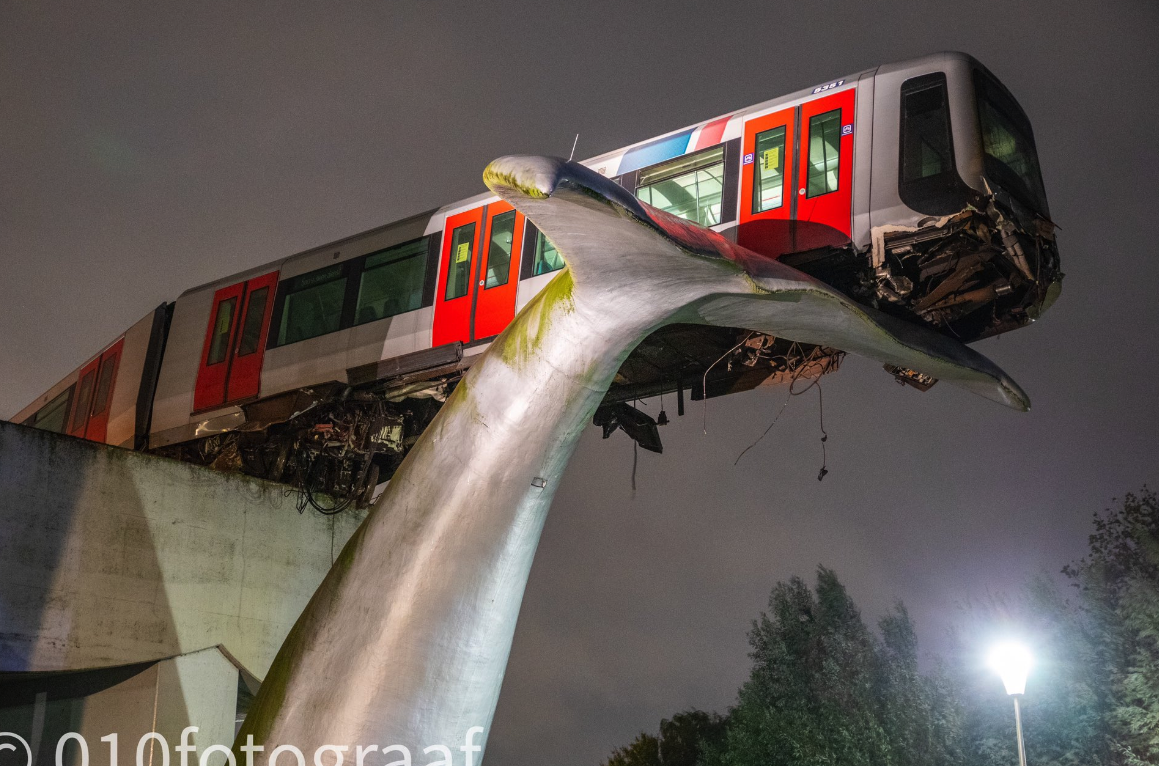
(711,133)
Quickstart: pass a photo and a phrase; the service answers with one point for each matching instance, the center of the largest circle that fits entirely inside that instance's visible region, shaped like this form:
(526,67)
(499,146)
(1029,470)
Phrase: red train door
(231,358)
(245,367)
(102,397)
(825,171)
(499,271)
(82,404)
(767,183)
(456,289)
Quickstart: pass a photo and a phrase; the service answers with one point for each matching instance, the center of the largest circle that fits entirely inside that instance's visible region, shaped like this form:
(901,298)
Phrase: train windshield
(1011,160)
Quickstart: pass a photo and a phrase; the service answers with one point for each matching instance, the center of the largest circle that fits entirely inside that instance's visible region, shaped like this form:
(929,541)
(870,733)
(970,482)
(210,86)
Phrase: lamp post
(1012,662)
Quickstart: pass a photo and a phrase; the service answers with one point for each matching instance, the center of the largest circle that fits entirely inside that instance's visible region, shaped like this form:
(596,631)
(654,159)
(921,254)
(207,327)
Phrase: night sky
(146,149)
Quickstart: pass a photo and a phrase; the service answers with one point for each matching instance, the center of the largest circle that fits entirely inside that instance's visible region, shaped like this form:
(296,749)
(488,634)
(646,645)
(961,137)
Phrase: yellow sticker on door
(463,252)
(771,158)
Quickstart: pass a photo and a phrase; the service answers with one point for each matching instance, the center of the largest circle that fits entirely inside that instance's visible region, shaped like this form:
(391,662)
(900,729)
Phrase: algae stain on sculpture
(407,639)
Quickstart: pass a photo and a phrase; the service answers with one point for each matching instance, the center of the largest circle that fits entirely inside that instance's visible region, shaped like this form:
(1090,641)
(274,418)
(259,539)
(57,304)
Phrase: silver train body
(913,187)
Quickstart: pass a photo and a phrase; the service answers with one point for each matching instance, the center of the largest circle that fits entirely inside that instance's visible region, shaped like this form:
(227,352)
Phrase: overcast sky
(149,147)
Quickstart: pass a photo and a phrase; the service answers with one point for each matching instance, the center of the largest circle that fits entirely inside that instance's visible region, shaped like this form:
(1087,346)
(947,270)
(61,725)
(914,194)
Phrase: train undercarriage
(335,443)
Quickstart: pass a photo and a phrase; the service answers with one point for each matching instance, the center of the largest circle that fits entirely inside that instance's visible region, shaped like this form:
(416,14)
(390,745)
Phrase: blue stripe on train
(657,151)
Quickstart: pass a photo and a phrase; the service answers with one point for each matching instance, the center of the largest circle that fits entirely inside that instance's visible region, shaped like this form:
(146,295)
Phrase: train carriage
(912,187)
(109,398)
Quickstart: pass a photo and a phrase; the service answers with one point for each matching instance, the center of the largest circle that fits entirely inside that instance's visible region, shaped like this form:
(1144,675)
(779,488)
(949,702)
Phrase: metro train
(911,187)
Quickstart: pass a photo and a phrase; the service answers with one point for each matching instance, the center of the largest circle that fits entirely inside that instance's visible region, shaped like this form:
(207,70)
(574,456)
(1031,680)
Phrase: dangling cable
(635,457)
(824,435)
(704,382)
(788,395)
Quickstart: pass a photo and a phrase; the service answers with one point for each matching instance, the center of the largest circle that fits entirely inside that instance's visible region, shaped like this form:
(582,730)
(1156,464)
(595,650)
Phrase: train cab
(959,229)
(914,188)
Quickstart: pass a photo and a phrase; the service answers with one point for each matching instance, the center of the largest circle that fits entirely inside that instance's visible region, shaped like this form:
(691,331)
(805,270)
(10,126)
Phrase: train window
(1010,159)
(928,179)
(392,282)
(547,258)
(222,325)
(499,249)
(824,153)
(104,385)
(691,187)
(926,150)
(53,416)
(769,170)
(313,304)
(251,326)
(84,398)
(459,269)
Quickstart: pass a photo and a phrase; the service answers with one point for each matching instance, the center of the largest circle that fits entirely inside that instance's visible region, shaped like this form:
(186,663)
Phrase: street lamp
(1012,662)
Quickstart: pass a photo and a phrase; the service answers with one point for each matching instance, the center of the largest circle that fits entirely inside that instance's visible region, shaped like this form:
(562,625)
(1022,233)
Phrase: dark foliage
(682,740)
(825,690)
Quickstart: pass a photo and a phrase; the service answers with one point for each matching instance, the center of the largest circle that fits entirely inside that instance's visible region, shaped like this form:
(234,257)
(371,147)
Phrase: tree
(681,741)
(684,737)
(1118,584)
(922,715)
(825,690)
(643,751)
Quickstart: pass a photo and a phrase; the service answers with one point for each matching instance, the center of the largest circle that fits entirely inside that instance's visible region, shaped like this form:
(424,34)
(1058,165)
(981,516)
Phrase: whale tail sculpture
(406,641)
